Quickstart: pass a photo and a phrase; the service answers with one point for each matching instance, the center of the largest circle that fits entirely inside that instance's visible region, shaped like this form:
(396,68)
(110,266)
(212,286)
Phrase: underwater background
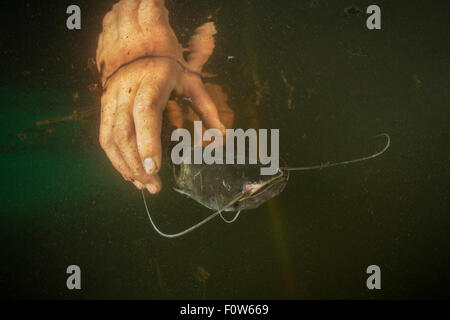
(310,68)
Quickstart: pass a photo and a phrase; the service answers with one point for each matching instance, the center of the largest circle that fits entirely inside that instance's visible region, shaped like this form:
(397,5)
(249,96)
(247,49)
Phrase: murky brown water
(309,68)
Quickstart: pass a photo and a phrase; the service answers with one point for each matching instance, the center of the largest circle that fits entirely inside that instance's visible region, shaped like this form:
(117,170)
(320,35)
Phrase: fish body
(216,185)
(236,187)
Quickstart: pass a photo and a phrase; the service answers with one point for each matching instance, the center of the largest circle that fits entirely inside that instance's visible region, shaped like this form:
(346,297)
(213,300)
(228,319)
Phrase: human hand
(131,119)
(137,87)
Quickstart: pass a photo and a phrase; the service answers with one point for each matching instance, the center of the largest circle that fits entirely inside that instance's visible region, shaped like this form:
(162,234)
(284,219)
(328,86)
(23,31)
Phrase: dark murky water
(63,203)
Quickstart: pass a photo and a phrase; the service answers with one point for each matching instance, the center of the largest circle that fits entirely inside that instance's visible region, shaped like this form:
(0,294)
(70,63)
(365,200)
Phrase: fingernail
(138,185)
(223,130)
(149,165)
(151,188)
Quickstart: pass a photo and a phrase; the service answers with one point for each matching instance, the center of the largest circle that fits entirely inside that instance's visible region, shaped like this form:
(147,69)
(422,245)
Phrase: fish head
(263,188)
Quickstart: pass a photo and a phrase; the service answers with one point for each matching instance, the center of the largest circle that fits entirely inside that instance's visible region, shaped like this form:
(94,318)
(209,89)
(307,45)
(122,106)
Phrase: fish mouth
(254,191)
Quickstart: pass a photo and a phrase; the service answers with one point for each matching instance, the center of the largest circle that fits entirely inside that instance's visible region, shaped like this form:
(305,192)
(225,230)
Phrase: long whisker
(232,220)
(210,217)
(328,165)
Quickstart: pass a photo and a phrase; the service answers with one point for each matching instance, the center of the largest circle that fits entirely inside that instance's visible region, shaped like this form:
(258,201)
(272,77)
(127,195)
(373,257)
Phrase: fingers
(201,46)
(110,31)
(127,16)
(117,137)
(152,12)
(203,104)
(109,107)
(220,98)
(125,138)
(99,50)
(109,36)
(149,104)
